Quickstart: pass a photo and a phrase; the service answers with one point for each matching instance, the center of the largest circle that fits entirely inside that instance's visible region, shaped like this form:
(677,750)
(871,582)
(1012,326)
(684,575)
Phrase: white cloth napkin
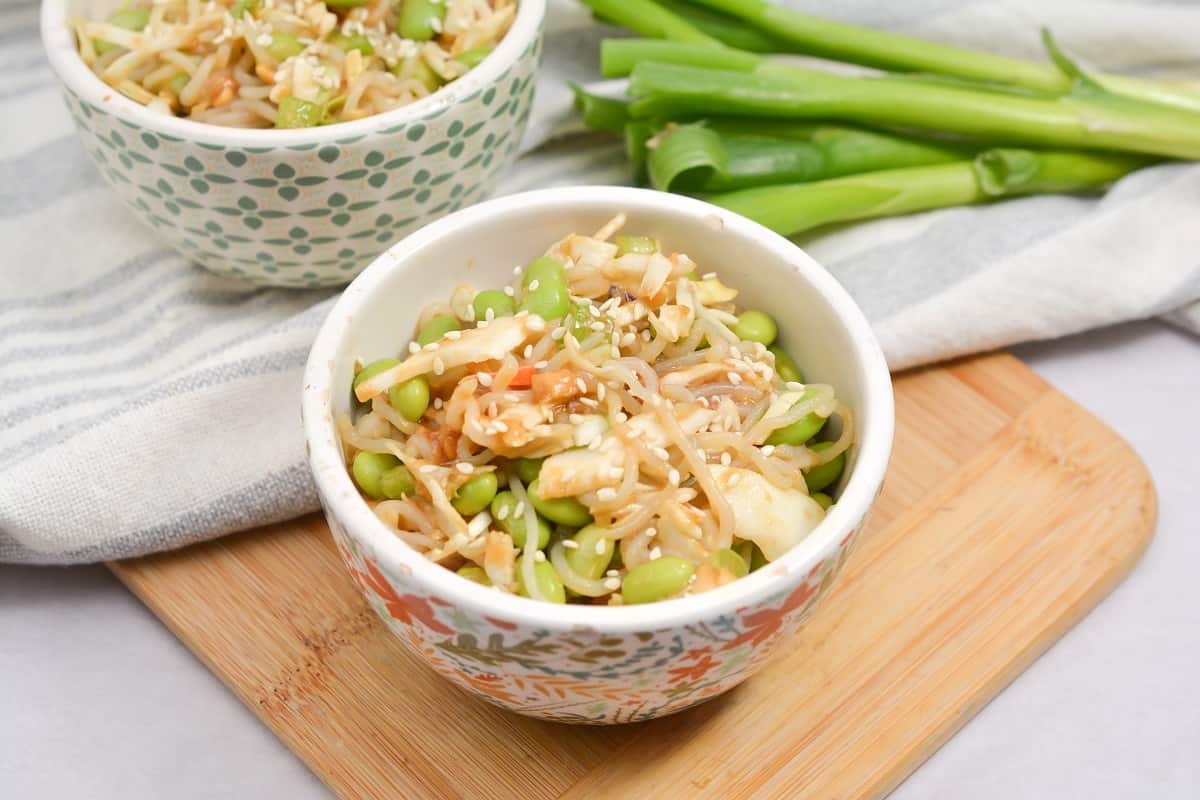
(145,404)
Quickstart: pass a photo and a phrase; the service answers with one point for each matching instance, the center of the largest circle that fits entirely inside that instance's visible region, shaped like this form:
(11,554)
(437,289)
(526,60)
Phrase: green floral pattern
(311,215)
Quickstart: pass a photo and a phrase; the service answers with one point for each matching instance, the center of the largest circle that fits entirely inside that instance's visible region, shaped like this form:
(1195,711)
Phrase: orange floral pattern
(582,676)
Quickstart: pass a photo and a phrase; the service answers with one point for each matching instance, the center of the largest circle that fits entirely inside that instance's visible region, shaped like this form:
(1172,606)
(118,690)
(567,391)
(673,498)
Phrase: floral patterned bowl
(575,663)
(309,207)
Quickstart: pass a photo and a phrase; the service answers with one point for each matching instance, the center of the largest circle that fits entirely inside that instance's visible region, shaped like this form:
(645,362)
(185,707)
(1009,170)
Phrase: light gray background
(98,700)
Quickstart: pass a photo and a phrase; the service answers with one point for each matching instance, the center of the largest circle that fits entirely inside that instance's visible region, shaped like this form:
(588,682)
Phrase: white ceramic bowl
(308,207)
(579,663)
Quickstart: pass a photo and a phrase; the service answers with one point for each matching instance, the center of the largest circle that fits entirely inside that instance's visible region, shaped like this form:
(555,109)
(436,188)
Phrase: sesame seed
(430,346)
(651,533)
(795,386)
(655,553)
(538,555)
(628,339)
(673,477)
(558,333)
(601,389)
(485,378)
(439,367)
(534,284)
(541,364)
(582,384)
(596,326)
(612,583)
(612,573)
(734,378)
(510,291)
(726,459)
(622,416)
(489,314)
(595,312)
(500,426)
(606,494)
(464,467)
(708,276)
(536,324)
(570,544)
(661,452)
(413,347)
(646,335)
(517,271)
(519,508)
(483,323)
(452,335)
(438,402)
(768,449)
(589,402)
(528,351)
(600,546)
(427,469)
(703,453)
(503,512)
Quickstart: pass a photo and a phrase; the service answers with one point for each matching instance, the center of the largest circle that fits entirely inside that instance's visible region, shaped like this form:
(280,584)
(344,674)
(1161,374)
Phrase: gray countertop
(98,700)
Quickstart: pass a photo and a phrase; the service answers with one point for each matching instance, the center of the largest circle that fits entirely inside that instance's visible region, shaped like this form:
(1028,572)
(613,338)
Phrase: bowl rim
(59,43)
(344,502)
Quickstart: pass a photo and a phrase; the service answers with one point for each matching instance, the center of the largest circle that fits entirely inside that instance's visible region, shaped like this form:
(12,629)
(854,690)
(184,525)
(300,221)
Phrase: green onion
(420,20)
(647,18)
(618,57)
(1002,172)
(297,113)
(729,31)
(600,113)
(637,133)
(640,245)
(1086,118)
(131,19)
(841,41)
(243,7)
(686,158)
(472,58)
(283,46)
(357,42)
(761,153)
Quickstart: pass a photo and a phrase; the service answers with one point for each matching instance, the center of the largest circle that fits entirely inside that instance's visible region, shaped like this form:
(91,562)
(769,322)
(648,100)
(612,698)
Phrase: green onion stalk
(797,32)
(1088,118)
(722,155)
(1002,172)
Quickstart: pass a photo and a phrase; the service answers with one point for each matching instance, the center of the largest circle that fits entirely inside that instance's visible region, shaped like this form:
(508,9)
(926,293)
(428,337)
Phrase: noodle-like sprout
(649,427)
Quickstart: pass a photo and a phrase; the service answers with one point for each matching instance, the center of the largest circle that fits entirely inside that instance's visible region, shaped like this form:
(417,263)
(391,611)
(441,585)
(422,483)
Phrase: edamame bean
(471,58)
(563,510)
(729,561)
(474,495)
(745,550)
(397,482)
(544,287)
(410,398)
(357,42)
(758,559)
(436,328)
(368,470)
(785,367)
(474,573)
(282,47)
(594,553)
(504,514)
(371,370)
(825,474)
(494,300)
(756,326)
(642,245)
(549,584)
(802,429)
(823,500)
(131,19)
(656,580)
(528,469)
(296,113)
(420,20)
(579,323)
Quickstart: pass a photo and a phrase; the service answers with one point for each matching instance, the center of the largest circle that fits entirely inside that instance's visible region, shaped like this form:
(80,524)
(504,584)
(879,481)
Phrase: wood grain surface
(1008,513)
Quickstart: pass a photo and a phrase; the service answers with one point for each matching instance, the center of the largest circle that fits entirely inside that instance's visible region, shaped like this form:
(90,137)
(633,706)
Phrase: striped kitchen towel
(145,404)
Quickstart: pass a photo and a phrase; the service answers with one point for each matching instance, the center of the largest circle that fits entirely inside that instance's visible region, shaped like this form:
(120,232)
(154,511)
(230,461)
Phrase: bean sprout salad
(606,429)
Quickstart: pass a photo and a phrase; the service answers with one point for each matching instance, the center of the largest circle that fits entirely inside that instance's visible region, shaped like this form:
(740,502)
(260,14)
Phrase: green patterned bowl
(308,207)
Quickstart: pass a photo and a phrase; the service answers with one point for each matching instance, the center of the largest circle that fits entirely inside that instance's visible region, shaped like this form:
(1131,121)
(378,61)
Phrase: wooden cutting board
(1008,513)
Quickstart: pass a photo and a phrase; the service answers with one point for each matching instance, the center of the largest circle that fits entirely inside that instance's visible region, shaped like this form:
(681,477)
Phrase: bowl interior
(785,284)
(819,324)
